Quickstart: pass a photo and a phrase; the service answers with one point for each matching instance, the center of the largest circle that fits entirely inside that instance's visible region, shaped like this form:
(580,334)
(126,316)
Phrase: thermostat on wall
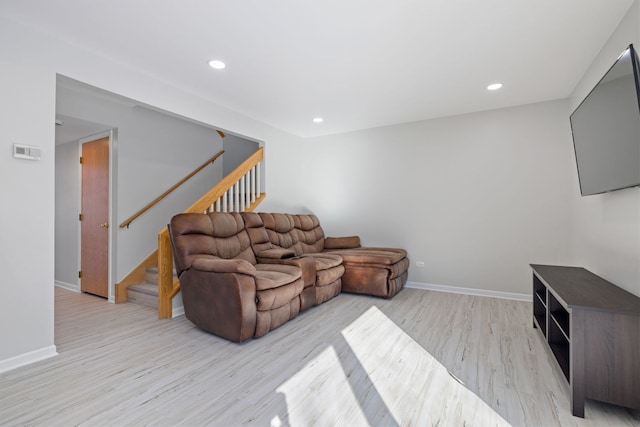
(26,152)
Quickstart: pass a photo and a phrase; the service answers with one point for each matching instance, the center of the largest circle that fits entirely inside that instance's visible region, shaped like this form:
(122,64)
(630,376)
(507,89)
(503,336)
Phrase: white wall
(605,228)
(28,65)
(67,196)
(476,197)
(27,214)
(236,151)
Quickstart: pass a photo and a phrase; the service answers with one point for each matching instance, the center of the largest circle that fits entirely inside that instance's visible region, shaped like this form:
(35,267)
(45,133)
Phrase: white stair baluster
(258,186)
(247,199)
(252,179)
(240,199)
(236,194)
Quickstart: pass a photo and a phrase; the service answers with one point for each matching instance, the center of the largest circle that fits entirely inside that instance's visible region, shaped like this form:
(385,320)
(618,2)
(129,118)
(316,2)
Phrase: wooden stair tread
(143,294)
(145,288)
(146,293)
(151,275)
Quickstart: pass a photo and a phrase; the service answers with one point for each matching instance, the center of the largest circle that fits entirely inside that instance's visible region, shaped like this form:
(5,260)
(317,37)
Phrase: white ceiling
(357,63)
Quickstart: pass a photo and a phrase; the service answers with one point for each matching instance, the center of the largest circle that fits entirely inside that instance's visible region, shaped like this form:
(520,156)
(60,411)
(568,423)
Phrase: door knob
(104,225)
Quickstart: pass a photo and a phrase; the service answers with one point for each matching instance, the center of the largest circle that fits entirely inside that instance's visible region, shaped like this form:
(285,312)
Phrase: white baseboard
(469,291)
(28,358)
(68,286)
(177,306)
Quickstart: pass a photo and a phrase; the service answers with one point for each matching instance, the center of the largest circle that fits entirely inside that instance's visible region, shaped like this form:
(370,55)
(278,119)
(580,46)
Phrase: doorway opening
(71,252)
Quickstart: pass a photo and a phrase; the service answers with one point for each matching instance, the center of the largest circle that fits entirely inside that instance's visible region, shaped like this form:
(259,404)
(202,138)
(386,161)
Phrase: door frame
(111,250)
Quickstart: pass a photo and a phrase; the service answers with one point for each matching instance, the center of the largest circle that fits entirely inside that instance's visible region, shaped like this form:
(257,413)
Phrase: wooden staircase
(146,293)
(239,191)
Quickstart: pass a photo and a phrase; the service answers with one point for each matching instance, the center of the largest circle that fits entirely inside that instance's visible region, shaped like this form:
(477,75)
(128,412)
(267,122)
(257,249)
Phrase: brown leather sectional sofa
(244,274)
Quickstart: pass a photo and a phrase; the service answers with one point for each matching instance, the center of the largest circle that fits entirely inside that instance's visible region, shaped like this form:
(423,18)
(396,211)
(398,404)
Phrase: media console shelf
(592,328)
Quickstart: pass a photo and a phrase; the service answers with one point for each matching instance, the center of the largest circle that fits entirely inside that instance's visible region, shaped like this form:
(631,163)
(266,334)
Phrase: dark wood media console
(592,328)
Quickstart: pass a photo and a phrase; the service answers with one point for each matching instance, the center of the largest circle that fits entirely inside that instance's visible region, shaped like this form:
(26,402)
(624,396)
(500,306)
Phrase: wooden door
(94,234)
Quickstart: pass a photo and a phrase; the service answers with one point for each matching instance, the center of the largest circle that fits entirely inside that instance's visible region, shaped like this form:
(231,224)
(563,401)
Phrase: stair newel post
(165,275)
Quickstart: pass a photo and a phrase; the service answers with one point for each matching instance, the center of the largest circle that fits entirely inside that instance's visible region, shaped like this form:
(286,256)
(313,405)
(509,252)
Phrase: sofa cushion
(374,272)
(280,231)
(323,260)
(221,235)
(231,239)
(256,231)
(330,275)
(217,265)
(375,256)
(269,276)
(272,298)
(275,253)
(348,242)
(226,225)
(309,233)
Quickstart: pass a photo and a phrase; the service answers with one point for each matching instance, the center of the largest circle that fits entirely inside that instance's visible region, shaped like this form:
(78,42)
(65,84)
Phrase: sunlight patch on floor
(374,373)
(319,394)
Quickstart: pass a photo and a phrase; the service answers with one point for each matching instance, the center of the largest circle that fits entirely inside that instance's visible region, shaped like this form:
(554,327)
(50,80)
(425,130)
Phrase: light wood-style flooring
(355,360)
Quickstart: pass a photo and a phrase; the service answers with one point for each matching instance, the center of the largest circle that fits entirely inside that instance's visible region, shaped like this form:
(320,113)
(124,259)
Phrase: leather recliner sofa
(244,274)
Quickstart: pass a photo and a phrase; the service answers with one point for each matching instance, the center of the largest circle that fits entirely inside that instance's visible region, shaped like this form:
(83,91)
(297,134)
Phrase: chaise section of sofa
(381,272)
(374,271)
(224,289)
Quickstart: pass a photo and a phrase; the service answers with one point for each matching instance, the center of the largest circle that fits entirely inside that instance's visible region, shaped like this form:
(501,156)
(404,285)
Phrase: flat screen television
(606,129)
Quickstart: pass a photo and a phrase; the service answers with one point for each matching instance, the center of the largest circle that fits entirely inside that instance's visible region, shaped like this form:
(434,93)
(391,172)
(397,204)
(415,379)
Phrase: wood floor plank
(355,360)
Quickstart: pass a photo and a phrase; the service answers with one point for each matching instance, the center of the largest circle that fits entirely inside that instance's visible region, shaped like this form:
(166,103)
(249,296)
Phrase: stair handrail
(168,287)
(170,190)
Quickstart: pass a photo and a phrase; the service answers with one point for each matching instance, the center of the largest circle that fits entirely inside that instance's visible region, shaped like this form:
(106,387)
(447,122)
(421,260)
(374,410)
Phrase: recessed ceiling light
(216,64)
(494,86)
(318,120)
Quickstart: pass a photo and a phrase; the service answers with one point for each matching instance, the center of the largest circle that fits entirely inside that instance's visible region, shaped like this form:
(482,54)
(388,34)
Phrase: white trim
(28,358)
(469,291)
(79,235)
(177,311)
(93,137)
(67,286)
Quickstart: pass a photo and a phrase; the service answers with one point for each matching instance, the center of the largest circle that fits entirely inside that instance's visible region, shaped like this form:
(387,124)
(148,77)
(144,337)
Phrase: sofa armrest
(224,266)
(222,303)
(307,267)
(349,242)
(276,253)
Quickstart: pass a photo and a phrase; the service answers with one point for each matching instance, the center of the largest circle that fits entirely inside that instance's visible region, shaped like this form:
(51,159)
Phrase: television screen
(606,129)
